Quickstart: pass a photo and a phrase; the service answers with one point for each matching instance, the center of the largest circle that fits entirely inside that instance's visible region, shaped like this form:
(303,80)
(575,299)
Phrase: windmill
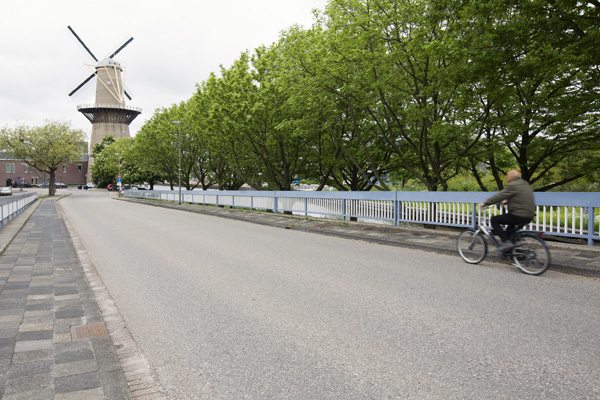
(109,115)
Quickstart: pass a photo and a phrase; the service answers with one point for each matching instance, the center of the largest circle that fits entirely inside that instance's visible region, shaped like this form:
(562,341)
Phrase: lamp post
(179,173)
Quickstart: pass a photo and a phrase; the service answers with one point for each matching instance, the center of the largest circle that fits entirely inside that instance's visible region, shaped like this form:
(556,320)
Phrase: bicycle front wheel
(471,246)
(531,255)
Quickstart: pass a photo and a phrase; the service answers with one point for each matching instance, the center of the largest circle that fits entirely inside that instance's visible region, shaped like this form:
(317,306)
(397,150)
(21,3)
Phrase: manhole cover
(87,331)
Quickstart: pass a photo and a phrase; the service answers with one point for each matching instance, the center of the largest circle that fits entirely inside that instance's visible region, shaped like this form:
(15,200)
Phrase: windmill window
(8,168)
(79,168)
(64,168)
(13,167)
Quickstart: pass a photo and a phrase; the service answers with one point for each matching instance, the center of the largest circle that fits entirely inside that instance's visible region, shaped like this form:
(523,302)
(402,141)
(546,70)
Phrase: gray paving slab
(44,293)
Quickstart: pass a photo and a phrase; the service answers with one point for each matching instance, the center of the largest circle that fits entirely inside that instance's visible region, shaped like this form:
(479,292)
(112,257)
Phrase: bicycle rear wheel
(531,255)
(471,246)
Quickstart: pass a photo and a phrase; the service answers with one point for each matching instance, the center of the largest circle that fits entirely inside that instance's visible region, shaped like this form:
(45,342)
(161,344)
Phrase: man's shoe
(506,246)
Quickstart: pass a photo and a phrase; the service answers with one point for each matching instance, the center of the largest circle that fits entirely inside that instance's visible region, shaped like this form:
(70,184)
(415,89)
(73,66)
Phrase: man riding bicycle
(518,195)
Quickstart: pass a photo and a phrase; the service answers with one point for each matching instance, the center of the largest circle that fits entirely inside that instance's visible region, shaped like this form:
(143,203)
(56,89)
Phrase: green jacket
(520,198)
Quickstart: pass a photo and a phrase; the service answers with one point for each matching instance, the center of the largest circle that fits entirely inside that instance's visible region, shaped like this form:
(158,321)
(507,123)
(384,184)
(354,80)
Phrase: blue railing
(13,206)
(560,214)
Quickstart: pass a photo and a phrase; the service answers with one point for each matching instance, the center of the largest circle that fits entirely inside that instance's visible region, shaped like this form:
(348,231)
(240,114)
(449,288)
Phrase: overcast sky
(176,45)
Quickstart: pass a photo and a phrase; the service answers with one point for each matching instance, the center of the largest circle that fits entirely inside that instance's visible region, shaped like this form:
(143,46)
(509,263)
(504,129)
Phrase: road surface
(224,309)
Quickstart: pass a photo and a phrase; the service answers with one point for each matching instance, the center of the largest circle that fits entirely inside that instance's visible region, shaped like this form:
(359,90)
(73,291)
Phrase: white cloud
(176,45)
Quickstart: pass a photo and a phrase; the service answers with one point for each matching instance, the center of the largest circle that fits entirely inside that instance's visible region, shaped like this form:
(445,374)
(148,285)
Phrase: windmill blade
(82,84)
(83,44)
(121,48)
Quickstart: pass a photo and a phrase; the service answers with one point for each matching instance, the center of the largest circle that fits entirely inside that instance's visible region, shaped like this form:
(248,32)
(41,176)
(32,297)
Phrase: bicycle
(530,254)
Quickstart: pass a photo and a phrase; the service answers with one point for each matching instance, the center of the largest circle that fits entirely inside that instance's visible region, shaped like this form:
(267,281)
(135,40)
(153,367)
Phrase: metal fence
(561,214)
(13,206)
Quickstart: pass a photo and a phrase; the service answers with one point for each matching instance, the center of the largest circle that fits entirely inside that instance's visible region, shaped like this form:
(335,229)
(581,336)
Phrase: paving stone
(115,386)
(31,368)
(73,351)
(30,356)
(46,393)
(16,285)
(61,291)
(15,309)
(7,348)
(33,345)
(90,394)
(38,297)
(75,368)
(42,290)
(36,326)
(35,335)
(28,383)
(106,356)
(64,304)
(8,333)
(70,313)
(73,383)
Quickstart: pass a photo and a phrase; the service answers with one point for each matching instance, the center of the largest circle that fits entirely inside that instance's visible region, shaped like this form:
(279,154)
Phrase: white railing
(10,208)
(560,214)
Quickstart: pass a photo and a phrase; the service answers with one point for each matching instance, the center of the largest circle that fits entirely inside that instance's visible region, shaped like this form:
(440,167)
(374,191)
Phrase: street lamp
(179,123)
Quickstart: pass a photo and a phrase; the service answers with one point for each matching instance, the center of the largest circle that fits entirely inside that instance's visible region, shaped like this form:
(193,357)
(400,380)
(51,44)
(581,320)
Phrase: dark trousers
(507,219)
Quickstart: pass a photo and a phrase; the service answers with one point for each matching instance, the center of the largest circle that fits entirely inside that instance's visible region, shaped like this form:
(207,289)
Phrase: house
(15,172)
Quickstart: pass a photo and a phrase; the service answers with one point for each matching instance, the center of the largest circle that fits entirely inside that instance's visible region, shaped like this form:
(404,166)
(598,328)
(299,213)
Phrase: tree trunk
(51,186)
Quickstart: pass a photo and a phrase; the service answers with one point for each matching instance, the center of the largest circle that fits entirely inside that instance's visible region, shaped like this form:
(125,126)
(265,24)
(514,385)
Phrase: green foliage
(435,94)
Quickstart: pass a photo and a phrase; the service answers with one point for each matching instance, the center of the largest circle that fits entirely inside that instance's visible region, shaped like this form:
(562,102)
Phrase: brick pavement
(54,341)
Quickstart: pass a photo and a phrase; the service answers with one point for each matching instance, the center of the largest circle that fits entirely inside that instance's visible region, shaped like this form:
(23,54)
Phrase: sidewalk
(54,341)
(571,258)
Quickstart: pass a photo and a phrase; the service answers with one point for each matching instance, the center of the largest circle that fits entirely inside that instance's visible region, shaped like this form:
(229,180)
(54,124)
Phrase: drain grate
(88,331)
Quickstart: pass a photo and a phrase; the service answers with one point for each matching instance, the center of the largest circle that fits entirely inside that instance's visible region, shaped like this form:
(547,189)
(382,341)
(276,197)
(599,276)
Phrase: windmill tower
(109,115)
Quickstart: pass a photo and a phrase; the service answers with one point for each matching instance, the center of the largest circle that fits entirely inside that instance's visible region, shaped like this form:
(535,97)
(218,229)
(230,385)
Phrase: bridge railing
(561,214)
(13,206)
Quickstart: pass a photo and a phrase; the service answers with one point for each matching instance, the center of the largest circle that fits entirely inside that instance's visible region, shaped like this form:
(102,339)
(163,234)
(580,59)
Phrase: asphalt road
(224,309)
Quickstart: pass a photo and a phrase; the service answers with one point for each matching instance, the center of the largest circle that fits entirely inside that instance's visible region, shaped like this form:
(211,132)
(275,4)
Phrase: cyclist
(518,195)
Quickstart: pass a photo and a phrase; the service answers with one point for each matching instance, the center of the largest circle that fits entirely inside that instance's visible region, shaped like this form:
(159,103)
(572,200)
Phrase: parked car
(6,191)
(60,185)
(18,184)
(112,187)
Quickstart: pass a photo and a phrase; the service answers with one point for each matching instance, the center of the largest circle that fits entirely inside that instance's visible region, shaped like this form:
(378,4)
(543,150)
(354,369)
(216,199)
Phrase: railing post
(275,202)
(343,209)
(306,206)
(474,215)
(590,235)
(397,211)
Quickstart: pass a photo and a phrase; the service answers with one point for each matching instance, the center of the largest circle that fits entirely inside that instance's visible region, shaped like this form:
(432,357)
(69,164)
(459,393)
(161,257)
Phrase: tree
(402,74)
(348,151)
(117,157)
(538,62)
(46,147)
(157,144)
(214,165)
(251,112)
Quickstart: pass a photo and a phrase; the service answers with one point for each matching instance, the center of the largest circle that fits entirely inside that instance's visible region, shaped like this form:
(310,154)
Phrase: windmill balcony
(109,113)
